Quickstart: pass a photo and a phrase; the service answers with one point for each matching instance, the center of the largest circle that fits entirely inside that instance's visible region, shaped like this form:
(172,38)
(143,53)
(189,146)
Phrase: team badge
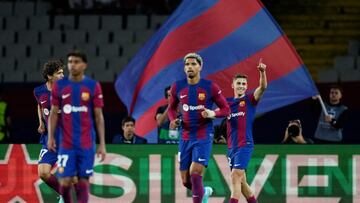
(242,103)
(201,96)
(85,96)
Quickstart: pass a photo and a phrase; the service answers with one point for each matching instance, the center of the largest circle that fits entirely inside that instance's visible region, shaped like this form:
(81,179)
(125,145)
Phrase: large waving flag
(231,36)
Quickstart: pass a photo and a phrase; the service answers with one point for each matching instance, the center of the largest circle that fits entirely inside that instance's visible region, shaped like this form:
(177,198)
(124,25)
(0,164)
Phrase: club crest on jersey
(201,96)
(85,96)
(242,103)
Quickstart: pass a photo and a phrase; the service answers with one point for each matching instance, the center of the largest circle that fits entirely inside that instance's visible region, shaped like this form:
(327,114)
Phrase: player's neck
(194,80)
(238,96)
(49,85)
(76,78)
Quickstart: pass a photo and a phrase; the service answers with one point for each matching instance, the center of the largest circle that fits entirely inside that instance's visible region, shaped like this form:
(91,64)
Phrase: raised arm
(263,81)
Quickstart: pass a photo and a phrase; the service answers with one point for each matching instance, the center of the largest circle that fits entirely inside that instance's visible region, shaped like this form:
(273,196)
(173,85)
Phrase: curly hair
(51,67)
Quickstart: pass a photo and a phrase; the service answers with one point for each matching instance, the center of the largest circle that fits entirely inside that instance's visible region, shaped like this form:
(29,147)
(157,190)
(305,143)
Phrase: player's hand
(101,152)
(207,113)
(41,129)
(261,66)
(316,97)
(51,145)
(174,123)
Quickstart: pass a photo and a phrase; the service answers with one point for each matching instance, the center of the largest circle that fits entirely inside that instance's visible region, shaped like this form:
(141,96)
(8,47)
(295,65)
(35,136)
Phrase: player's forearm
(263,81)
(53,118)
(100,126)
(161,118)
(39,114)
(224,109)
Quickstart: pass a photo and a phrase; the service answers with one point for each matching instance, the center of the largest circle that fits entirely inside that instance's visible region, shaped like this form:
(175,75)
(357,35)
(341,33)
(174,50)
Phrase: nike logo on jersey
(235,165)
(182,96)
(200,159)
(64,96)
(41,102)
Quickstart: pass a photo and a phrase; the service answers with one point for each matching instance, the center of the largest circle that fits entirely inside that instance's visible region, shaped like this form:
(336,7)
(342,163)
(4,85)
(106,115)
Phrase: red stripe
(185,114)
(85,121)
(279,57)
(276,68)
(210,27)
(67,141)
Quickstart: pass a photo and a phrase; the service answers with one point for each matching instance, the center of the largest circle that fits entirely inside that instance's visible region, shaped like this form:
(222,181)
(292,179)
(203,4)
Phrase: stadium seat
(75,36)
(89,23)
(327,76)
(28,37)
(354,48)
(51,37)
(6,8)
(34,76)
(99,37)
(142,36)
(137,22)
(123,37)
(130,50)
(7,63)
(42,7)
(344,63)
(40,51)
(117,64)
(97,64)
(7,37)
(39,23)
(27,64)
(61,50)
(105,76)
(157,21)
(64,22)
(24,8)
(16,23)
(16,50)
(111,22)
(89,49)
(13,76)
(109,50)
(350,76)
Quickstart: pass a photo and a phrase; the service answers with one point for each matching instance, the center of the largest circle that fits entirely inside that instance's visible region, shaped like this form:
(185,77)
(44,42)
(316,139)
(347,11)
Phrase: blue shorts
(194,151)
(47,157)
(239,157)
(76,162)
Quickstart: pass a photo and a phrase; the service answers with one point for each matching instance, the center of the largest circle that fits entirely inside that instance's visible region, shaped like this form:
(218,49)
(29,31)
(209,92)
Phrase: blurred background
(326,34)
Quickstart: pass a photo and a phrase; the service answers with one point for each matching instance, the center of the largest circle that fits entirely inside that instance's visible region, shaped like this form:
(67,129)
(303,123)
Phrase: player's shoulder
(40,89)
(89,81)
(180,84)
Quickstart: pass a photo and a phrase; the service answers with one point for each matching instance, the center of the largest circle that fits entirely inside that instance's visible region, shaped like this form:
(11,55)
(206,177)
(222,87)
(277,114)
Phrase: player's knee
(43,173)
(237,175)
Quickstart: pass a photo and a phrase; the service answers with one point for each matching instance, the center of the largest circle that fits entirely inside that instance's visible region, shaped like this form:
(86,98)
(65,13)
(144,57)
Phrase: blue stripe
(251,37)
(193,114)
(127,81)
(281,92)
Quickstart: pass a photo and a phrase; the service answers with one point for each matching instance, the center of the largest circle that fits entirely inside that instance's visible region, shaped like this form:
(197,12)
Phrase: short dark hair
(78,53)
(51,67)
(166,90)
(239,75)
(337,87)
(127,119)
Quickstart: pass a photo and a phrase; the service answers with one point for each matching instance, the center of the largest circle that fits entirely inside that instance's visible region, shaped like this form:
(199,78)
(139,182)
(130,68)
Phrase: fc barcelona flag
(231,36)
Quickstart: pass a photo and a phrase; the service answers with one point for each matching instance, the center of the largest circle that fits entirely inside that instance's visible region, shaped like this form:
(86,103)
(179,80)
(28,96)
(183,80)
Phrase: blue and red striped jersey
(42,96)
(77,101)
(240,121)
(193,99)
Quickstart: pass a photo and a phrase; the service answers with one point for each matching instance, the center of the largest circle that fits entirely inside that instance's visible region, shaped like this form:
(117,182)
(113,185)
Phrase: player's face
(192,68)
(240,86)
(168,96)
(129,129)
(335,95)
(76,65)
(59,74)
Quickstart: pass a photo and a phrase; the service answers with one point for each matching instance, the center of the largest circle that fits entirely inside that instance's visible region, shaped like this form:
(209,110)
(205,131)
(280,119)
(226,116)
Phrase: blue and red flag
(231,36)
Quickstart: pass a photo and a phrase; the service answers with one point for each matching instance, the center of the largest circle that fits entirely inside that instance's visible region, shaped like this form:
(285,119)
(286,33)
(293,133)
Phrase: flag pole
(323,105)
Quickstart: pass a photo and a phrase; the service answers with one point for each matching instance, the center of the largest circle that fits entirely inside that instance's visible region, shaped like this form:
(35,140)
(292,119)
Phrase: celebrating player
(80,100)
(239,132)
(196,96)
(52,71)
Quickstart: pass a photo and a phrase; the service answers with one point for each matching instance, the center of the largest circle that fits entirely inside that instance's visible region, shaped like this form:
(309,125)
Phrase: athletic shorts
(198,151)
(239,157)
(76,162)
(47,157)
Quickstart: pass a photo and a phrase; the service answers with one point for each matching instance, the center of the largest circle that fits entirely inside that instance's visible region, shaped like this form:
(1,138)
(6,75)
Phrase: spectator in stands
(128,137)
(330,127)
(5,121)
(165,134)
(293,134)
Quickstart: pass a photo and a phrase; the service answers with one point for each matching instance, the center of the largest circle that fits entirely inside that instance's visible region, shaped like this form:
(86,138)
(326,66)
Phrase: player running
(196,97)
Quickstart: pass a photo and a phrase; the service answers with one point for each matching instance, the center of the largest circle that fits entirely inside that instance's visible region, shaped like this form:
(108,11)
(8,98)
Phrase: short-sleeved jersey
(77,101)
(42,96)
(192,100)
(240,121)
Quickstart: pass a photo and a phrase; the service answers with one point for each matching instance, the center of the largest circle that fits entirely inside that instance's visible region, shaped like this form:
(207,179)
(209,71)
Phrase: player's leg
(66,173)
(184,158)
(84,165)
(200,157)
(247,191)
(47,160)
(236,180)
